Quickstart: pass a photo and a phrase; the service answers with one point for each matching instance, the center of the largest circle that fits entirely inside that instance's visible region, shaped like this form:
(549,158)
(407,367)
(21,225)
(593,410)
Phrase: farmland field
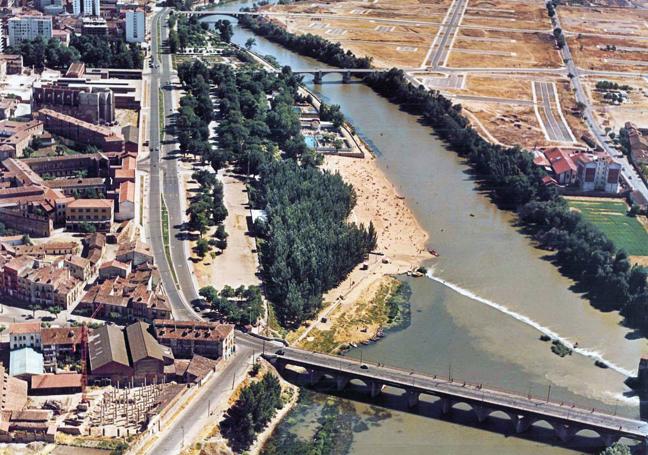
(626,232)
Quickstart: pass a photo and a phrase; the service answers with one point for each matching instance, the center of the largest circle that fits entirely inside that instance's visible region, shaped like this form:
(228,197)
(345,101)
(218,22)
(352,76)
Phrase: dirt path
(238,264)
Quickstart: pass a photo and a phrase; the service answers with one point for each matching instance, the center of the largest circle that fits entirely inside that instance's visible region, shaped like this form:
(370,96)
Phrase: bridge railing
(565,404)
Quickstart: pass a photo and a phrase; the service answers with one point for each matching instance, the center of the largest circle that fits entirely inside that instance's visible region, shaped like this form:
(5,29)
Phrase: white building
(25,335)
(85,7)
(597,172)
(135,26)
(23,28)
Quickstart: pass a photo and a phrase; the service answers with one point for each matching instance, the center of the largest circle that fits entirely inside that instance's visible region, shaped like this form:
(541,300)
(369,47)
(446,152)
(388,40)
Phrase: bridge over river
(523,411)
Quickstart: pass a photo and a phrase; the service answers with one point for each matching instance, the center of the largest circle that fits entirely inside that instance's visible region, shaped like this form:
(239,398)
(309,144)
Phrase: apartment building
(25,335)
(96,212)
(597,172)
(86,7)
(26,28)
(186,338)
(135,26)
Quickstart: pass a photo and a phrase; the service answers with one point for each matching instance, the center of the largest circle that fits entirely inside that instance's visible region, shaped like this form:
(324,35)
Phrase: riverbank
(382,307)
(401,247)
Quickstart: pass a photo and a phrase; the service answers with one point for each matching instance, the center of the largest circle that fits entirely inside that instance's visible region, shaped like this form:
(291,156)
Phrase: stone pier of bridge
(522,412)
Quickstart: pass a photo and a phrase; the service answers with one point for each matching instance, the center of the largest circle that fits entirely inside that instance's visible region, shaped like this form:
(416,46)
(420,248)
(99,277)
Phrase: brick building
(186,338)
(91,104)
(81,131)
(96,212)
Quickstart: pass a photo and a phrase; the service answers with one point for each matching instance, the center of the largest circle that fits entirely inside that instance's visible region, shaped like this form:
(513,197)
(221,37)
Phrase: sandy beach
(401,239)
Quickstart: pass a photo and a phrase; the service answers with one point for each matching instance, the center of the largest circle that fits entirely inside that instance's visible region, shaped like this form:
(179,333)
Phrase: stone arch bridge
(523,412)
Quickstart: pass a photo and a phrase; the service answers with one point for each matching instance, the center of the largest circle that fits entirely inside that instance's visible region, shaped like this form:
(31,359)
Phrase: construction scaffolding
(127,407)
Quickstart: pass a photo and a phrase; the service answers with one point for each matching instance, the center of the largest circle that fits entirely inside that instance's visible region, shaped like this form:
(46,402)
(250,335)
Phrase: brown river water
(479,314)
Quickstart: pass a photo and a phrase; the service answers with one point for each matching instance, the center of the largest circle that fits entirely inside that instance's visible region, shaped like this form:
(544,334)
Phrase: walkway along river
(487,300)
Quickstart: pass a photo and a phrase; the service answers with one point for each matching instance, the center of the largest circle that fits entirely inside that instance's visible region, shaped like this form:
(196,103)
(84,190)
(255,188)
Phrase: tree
(617,449)
(209,293)
(87,228)
(174,42)
(202,247)
(35,307)
(251,42)
(220,232)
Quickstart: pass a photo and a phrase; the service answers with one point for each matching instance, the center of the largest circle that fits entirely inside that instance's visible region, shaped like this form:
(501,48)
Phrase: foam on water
(594,355)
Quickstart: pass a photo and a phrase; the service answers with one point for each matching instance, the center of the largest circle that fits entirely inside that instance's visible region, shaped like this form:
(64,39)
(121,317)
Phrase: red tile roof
(19,328)
(56,381)
(560,161)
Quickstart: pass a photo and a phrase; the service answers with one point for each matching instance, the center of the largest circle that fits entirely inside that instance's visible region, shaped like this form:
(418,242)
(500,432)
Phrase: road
(162,163)
(472,393)
(628,172)
(211,398)
(556,129)
(445,37)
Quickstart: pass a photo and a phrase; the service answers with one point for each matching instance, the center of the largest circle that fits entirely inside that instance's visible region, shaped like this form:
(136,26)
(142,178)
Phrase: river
(489,296)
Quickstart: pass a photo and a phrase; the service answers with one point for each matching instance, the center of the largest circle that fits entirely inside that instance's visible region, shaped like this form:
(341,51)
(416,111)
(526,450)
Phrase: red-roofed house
(562,165)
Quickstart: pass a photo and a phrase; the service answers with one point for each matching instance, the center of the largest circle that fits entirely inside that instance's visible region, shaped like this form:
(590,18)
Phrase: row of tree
(190,32)
(582,251)
(241,306)
(94,51)
(308,245)
(207,208)
(255,407)
(308,44)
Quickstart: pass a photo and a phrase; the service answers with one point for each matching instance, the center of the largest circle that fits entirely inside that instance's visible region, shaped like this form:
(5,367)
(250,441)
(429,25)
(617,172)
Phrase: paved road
(186,428)
(556,128)
(445,37)
(161,163)
(628,172)
(490,99)
(423,383)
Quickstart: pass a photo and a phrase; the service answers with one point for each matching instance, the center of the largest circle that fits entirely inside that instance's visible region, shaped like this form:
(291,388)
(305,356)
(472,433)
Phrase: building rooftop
(190,330)
(114,263)
(61,336)
(25,361)
(91,203)
(56,381)
(127,192)
(107,345)
(141,343)
(21,328)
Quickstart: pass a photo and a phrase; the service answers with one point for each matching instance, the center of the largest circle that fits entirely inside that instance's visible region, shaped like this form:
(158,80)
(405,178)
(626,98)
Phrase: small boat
(433,253)
(353,345)
(601,364)
(472,214)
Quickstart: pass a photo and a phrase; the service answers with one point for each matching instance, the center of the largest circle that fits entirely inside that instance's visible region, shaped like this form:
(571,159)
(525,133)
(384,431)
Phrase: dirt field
(568,105)
(509,124)
(614,116)
(495,86)
(389,45)
(623,54)
(604,21)
(402,9)
(518,50)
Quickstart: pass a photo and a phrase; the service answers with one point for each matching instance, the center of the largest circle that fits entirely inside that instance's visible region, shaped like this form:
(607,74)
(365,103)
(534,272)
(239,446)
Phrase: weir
(523,411)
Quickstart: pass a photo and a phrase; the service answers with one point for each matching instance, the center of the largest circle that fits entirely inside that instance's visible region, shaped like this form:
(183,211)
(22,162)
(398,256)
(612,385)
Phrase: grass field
(626,232)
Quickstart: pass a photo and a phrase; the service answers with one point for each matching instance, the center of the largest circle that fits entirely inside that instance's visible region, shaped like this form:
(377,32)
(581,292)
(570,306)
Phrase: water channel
(488,298)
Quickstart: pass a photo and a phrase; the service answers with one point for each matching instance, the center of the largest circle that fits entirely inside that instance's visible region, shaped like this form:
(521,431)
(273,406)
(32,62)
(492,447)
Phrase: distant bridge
(523,411)
(319,73)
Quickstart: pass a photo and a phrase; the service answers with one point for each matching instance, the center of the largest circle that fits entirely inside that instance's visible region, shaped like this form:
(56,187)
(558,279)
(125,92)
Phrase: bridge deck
(461,392)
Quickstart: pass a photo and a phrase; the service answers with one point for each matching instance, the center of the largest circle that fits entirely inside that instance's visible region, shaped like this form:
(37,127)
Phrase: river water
(489,296)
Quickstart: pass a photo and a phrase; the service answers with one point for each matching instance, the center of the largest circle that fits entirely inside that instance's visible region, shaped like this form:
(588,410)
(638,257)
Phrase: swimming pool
(311,141)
